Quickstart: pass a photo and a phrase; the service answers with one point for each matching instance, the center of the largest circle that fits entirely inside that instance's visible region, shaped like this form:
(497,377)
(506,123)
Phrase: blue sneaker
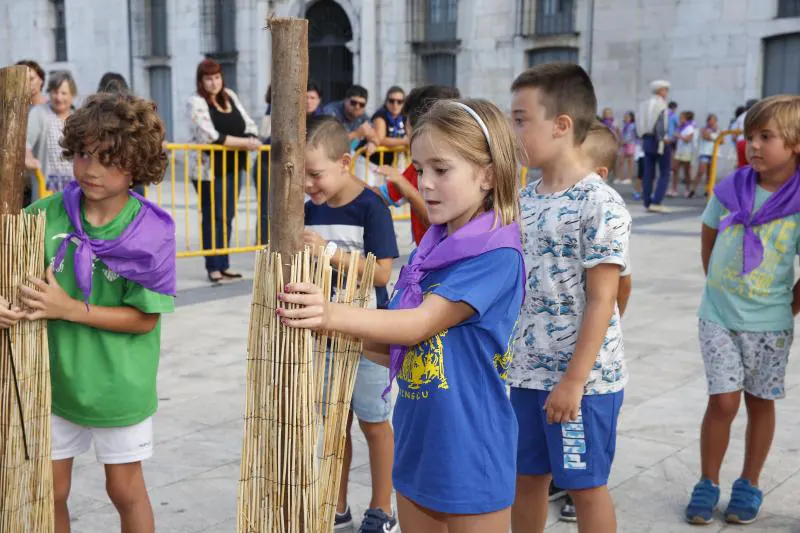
(745,503)
(637,196)
(705,498)
(343,520)
(377,521)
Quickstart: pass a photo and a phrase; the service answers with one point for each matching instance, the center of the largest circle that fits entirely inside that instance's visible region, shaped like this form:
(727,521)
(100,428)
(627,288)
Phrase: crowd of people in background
(680,150)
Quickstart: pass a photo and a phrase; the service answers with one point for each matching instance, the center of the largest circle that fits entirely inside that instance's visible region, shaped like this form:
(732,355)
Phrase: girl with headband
(447,333)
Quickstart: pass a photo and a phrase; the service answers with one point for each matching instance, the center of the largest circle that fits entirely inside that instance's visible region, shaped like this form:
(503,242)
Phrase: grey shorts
(368,403)
(753,361)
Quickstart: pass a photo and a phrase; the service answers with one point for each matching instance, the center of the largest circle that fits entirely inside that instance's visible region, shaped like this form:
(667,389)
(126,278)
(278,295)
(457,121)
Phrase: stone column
(368,53)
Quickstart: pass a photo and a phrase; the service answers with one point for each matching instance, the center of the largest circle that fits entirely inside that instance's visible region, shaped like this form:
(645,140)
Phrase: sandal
(230,275)
(214,280)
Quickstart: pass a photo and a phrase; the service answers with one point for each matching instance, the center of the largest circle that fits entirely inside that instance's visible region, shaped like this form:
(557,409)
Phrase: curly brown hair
(124,131)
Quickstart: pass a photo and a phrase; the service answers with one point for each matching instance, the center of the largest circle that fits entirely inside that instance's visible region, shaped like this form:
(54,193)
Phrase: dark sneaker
(343,521)
(705,498)
(568,513)
(745,503)
(555,493)
(376,521)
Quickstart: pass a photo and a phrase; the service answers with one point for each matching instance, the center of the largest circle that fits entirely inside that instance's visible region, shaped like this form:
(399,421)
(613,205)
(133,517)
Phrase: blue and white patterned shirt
(567,233)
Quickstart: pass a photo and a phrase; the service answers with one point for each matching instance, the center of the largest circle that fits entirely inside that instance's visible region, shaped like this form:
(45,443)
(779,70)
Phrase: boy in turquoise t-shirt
(750,239)
(110,275)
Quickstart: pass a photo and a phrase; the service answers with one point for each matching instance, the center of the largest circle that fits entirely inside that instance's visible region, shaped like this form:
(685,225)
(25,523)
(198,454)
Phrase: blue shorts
(579,454)
(368,404)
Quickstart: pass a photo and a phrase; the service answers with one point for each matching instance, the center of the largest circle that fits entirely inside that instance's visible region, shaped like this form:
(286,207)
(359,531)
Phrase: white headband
(478,119)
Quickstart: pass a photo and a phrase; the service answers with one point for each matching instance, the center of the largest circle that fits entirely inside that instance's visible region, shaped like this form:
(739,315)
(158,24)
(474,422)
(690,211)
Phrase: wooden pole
(289,83)
(15,99)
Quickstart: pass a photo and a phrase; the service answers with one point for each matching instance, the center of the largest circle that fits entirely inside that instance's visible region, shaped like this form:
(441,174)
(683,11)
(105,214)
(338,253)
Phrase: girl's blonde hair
(500,152)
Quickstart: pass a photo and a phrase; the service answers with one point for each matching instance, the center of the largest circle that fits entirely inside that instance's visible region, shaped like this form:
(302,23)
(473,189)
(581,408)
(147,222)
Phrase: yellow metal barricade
(43,192)
(360,155)
(191,165)
(712,169)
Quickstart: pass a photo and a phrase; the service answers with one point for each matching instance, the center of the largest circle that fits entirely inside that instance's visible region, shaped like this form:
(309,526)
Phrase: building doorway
(330,62)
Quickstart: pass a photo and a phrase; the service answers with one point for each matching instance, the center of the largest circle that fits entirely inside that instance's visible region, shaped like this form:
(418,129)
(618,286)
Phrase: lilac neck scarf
(686,126)
(144,253)
(737,194)
(437,251)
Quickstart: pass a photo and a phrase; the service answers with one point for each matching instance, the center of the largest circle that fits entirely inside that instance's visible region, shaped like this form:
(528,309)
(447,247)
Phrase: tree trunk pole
(289,84)
(15,99)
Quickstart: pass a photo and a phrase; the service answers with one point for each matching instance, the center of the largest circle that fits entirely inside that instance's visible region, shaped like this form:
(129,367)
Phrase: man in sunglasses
(352,113)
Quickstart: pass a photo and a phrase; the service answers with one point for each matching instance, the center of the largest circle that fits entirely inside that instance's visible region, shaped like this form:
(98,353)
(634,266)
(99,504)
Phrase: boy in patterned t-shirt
(568,371)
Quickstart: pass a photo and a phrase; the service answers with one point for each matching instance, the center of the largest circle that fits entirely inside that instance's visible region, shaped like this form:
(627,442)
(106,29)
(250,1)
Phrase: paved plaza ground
(194,474)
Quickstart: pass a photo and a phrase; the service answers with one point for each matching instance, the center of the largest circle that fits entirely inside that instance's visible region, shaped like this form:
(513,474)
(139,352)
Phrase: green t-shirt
(761,300)
(101,378)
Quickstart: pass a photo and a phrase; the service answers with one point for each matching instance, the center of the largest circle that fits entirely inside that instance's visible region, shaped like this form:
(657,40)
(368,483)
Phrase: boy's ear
(346,161)
(562,125)
(602,172)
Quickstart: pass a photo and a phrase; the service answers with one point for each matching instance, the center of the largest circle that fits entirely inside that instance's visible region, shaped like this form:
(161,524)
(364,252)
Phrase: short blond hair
(500,151)
(601,146)
(784,109)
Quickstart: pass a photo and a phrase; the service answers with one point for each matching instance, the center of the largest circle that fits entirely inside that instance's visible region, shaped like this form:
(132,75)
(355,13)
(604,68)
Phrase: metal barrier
(712,169)
(190,163)
(192,158)
(44,192)
(369,176)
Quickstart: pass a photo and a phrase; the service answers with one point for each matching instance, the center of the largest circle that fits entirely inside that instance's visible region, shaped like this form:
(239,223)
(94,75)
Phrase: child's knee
(759,404)
(724,406)
(62,480)
(61,488)
(589,498)
(375,430)
(125,485)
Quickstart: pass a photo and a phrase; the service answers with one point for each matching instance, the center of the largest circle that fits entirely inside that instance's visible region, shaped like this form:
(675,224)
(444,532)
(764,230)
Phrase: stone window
(546,17)
(433,26)
(440,69)
(218,27)
(537,56)
(788,8)
(60,30)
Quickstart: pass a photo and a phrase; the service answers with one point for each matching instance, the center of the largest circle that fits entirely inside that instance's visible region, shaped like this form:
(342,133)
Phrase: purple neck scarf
(737,194)
(686,126)
(437,251)
(144,253)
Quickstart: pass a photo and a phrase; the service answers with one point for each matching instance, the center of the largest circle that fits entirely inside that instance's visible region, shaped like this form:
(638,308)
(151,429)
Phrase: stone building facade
(717,53)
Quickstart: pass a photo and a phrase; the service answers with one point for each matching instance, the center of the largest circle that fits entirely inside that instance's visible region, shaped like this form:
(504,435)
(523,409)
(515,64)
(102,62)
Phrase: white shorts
(129,444)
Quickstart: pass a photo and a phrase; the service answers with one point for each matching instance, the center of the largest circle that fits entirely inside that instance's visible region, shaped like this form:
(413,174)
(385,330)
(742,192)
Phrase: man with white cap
(654,124)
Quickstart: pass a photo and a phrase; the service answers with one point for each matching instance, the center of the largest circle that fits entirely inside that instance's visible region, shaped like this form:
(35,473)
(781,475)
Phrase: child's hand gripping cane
(314,312)
(9,315)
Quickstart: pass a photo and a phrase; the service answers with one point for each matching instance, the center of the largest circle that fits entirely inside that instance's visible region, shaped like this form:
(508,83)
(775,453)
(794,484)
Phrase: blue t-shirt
(455,430)
(761,300)
(364,226)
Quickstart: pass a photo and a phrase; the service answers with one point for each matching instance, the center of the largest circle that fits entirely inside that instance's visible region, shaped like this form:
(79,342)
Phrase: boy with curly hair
(110,275)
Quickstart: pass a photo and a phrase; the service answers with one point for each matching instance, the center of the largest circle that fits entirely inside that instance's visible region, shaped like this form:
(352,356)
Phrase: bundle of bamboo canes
(295,393)
(26,475)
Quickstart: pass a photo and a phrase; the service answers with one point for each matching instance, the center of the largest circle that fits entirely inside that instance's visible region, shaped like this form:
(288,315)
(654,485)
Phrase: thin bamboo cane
(26,496)
(289,480)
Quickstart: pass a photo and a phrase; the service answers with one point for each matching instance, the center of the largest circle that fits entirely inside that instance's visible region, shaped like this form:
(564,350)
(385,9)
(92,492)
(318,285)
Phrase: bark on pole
(289,83)
(15,99)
